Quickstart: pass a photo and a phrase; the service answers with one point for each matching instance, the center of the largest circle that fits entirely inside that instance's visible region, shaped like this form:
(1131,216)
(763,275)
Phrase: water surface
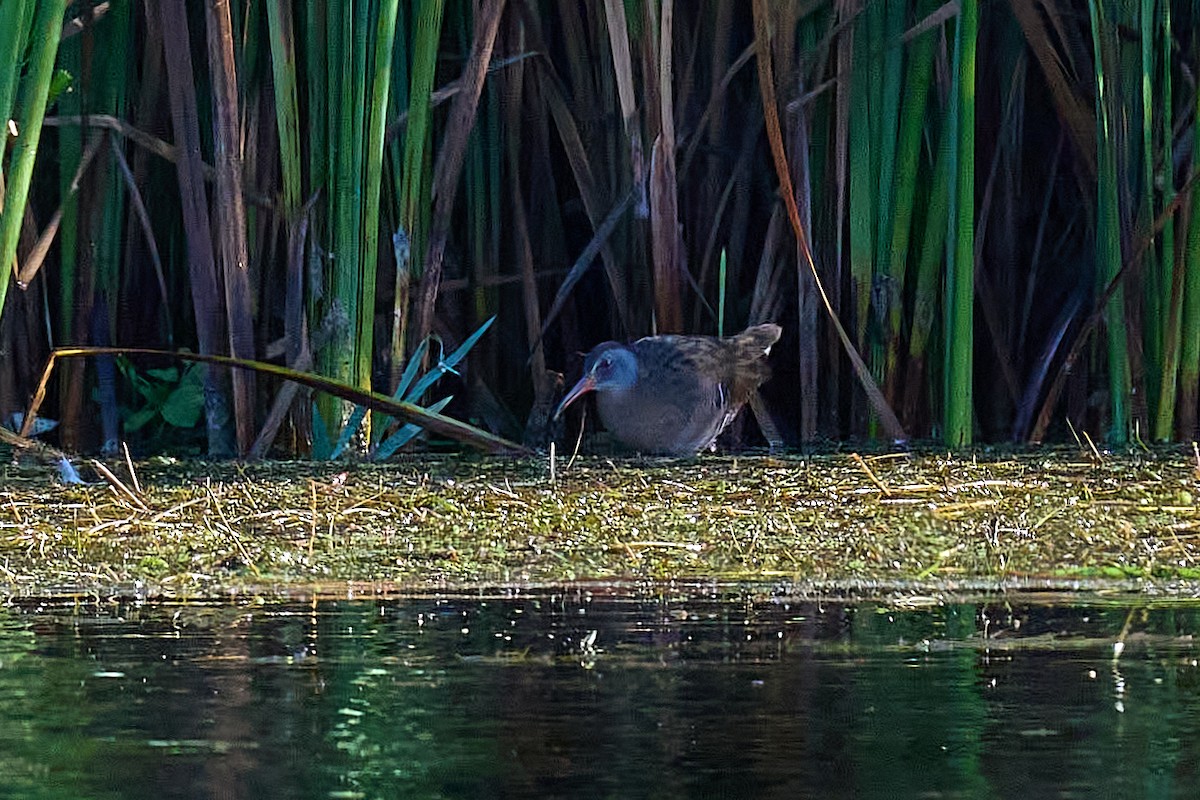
(582,694)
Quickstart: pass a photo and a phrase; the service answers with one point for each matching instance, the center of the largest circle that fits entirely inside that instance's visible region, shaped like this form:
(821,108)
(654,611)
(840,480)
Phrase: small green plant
(410,390)
(170,397)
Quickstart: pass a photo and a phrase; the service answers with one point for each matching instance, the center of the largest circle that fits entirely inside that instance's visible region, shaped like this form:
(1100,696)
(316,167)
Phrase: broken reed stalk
(446,426)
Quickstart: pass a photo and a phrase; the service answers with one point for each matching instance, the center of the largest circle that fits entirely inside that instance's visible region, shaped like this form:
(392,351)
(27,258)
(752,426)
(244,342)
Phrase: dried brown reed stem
(862,464)
(137,487)
(117,484)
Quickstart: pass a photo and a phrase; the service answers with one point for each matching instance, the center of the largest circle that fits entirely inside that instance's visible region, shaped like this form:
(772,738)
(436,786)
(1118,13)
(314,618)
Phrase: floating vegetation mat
(1042,519)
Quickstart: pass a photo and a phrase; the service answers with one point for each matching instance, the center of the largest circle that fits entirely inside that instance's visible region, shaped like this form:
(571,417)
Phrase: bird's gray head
(610,367)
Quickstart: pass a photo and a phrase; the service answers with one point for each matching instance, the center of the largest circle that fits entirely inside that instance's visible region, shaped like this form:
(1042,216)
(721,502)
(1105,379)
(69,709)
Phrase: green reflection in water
(572,696)
(45,751)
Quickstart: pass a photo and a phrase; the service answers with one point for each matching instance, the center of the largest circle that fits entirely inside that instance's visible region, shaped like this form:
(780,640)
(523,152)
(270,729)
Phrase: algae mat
(902,522)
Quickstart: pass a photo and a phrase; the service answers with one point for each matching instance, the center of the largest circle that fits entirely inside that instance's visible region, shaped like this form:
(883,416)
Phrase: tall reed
(960,252)
(30,105)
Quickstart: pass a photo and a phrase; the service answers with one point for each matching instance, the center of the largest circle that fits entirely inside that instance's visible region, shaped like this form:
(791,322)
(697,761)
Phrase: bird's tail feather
(753,345)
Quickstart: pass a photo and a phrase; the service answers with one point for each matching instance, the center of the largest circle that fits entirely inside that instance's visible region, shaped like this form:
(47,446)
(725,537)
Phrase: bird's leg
(766,423)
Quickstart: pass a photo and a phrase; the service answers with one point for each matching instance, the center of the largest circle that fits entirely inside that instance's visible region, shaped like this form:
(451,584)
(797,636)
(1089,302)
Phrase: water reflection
(580,695)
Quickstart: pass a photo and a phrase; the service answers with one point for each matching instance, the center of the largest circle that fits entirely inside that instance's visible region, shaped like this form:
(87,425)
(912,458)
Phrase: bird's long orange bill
(586,384)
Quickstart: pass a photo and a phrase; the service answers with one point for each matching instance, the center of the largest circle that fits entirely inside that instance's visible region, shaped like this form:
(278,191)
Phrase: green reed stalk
(418,147)
(113,75)
(1108,229)
(908,152)
(287,113)
(349,29)
(315,42)
(46,32)
(887,74)
(385,36)
(863,189)
(889,127)
(452,152)
(74,273)
(16,16)
(70,153)
(1154,323)
(960,268)
(416,174)
(933,252)
(1189,369)
(114,79)
(1170,279)
(336,359)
